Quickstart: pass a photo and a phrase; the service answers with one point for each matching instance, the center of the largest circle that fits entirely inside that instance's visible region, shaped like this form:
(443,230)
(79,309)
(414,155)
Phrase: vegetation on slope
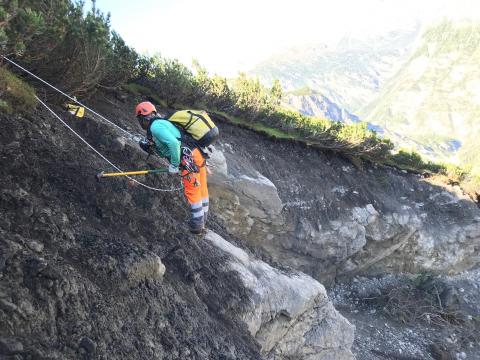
(15,94)
(78,51)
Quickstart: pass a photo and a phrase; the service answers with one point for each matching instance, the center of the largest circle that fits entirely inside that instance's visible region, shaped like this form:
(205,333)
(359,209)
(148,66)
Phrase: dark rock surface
(102,270)
(81,261)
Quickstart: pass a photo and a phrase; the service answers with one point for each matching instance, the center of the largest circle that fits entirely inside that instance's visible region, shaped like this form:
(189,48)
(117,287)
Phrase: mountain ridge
(349,73)
(433,99)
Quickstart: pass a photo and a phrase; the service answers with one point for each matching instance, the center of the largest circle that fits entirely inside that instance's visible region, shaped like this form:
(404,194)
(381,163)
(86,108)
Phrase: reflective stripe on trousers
(196,209)
(205,204)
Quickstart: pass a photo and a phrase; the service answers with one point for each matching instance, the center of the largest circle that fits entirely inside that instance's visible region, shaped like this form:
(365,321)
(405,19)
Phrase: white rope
(68,96)
(99,154)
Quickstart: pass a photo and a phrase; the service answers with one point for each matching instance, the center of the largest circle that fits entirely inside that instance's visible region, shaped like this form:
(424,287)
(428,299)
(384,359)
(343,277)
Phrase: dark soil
(65,240)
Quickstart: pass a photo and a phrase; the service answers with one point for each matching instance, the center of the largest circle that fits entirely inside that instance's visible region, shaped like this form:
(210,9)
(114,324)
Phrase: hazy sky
(228,36)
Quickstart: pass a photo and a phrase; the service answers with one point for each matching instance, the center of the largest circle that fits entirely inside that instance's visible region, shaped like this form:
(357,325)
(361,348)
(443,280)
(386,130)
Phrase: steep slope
(350,73)
(99,270)
(433,101)
(82,262)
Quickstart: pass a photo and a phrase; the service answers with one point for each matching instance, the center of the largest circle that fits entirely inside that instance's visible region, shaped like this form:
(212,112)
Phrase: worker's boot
(196,225)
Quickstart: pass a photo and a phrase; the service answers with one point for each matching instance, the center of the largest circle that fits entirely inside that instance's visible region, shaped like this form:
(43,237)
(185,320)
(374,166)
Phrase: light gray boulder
(289,314)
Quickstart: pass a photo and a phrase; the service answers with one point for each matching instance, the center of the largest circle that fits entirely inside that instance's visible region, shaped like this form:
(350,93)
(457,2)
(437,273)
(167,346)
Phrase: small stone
(148,267)
(35,246)
(88,344)
(7,305)
(37,265)
(27,307)
(10,347)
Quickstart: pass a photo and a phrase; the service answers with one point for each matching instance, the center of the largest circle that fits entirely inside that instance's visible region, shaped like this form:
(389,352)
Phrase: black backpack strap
(186,138)
(193,121)
(149,132)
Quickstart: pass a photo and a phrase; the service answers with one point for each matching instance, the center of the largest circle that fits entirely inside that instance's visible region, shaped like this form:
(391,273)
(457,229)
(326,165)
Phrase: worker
(185,158)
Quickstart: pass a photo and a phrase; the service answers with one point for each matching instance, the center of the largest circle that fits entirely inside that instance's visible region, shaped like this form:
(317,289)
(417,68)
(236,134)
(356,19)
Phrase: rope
(99,154)
(69,97)
(130,135)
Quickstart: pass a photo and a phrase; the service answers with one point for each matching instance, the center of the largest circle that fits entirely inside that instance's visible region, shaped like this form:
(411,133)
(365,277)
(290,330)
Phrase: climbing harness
(103,157)
(187,160)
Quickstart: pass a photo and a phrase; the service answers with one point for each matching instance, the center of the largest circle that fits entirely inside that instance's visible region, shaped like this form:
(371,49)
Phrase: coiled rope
(80,137)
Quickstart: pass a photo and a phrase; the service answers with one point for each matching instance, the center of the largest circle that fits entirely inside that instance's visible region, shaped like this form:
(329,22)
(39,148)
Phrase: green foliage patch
(15,94)
(411,160)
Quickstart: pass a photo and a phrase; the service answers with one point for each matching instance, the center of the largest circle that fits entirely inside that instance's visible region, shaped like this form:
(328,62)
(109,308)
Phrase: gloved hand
(146,146)
(172,169)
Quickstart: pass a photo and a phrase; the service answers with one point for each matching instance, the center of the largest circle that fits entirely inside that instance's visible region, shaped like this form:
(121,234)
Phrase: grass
(413,162)
(15,94)
(257,127)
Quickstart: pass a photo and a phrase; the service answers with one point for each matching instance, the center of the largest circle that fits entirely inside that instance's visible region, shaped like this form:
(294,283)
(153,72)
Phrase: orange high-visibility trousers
(196,190)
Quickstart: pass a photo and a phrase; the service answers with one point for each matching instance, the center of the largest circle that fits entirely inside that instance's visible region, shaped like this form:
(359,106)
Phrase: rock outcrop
(289,314)
(335,219)
(101,270)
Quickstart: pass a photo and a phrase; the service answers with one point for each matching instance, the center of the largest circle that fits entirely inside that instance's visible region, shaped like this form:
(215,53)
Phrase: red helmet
(145,108)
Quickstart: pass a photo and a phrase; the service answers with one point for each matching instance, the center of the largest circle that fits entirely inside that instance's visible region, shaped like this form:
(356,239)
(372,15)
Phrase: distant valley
(422,91)
(349,74)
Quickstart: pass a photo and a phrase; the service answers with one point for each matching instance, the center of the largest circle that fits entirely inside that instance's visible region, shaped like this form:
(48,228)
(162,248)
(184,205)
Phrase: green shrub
(408,158)
(15,94)
(457,173)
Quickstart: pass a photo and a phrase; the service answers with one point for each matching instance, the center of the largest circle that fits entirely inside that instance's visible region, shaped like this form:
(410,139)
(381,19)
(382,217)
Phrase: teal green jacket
(167,139)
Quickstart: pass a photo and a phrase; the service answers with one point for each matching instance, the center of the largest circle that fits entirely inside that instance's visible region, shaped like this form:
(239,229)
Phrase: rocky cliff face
(98,270)
(315,104)
(320,214)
